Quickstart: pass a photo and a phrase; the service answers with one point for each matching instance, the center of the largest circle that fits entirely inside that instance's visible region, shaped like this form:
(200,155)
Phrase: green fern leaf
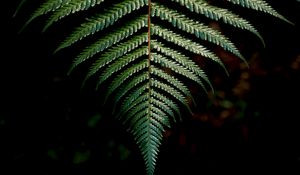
(259,5)
(171,91)
(116,52)
(183,60)
(163,61)
(185,43)
(171,80)
(110,39)
(122,62)
(199,30)
(47,7)
(103,20)
(69,8)
(133,104)
(138,79)
(163,99)
(163,106)
(134,50)
(216,13)
(132,97)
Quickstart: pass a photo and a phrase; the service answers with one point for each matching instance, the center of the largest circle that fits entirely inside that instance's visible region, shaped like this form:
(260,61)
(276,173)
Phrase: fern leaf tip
(45,28)
(18,8)
(58,49)
(286,20)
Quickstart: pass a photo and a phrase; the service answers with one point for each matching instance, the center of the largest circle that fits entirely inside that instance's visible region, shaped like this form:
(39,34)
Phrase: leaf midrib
(149,81)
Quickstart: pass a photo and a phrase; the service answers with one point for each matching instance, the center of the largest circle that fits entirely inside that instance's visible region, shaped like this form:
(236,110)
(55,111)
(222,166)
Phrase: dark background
(48,125)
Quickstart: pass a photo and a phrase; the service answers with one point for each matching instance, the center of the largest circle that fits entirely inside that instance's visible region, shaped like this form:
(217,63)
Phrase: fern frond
(133,103)
(131,98)
(160,116)
(140,124)
(138,117)
(185,43)
(69,8)
(111,38)
(138,79)
(163,61)
(134,69)
(163,106)
(149,137)
(118,51)
(171,91)
(143,73)
(216,13)
(181,59)
(157,99)
(124,61)
(171,80)
(130,116)
(121,78)
(103,20)
(47,7)
(199,30)
(259,5)
(169,102)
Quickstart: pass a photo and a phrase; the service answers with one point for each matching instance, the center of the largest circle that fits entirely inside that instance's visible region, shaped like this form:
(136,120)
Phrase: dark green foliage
(134,56)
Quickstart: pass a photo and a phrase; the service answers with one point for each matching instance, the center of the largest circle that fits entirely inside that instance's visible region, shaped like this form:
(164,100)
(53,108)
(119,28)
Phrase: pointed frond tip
(45,8)
(260,5)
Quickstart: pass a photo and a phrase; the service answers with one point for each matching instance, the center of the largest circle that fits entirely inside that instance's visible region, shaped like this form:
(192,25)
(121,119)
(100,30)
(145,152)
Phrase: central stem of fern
(150,164)
(149,49)
(149,33)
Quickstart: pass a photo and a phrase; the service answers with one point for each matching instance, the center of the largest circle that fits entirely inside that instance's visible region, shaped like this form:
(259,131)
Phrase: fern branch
(171,80)
(69,8)
(131,118)
(185,43)
(48,6)
(216,13)
(168,101)
(199,30)
(160,116)
(122,62)
(121,78)
(259,5)
(118,51)
(133,103)
(130,99)
(139,117)
(163,106)
(171,91)
(138,79)
(163,61)
(103,20)
(110,39)
(181,59)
